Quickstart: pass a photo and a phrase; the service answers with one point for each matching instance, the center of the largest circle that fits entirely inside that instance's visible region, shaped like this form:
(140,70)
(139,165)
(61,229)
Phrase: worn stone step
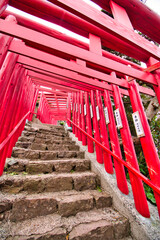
(45,155)
(44,135)
(45,140)
(97,224)
(36,167)
(44,128)
(68,203)
(54,182)
(50,147)
(25,139)
(52,131)
(21,144)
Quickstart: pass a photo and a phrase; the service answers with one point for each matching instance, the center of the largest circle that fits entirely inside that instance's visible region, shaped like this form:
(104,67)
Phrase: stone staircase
(49,193)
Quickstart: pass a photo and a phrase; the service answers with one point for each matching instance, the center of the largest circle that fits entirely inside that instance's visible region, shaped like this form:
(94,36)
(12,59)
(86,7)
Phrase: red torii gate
(78,74)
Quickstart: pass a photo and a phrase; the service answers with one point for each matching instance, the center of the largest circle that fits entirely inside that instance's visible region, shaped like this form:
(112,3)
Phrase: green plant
(99,189)
(13,173)
(155,129)
(149,194)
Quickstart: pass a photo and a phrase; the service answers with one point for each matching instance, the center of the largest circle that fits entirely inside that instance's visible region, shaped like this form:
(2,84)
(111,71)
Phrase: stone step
(45,155)
(36,167)
(50,147)
(54,182)
(22,207)
(97,224)
(45,140)
(44,134)
(45,129)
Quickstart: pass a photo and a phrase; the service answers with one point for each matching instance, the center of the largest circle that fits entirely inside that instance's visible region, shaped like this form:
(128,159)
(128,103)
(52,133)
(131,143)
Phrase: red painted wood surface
(104,134)
(3,5)
(99,154)
(120,15)
(88,123)
(79,109)
(146,20)
(82,10)
(39,55)
(22,20)
(83,120)
(148,146)
(4,44)
(119,169)
(57,45)
(137,186)
(83,27)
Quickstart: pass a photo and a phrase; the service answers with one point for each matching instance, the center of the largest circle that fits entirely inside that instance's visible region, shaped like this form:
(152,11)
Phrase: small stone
(4,206)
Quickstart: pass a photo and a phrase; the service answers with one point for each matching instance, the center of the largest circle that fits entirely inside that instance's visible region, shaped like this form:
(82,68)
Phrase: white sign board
(80,108)
(91,111)
(138,124)
(97,111)
(85,110)
(118,118)
(106,115)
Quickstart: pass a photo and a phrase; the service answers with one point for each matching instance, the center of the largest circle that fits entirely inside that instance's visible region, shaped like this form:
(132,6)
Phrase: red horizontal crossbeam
(147,20)
(55,14)
(70,50)
(22,20)
(107,23)
(45,57)
(52,81)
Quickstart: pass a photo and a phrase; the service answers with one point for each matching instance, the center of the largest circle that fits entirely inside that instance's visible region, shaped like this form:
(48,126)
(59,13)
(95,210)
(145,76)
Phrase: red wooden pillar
(20,112)
(3,5)
(104,135)
(18,104)
(120,14)
(33,104)
(147,142)
(88,123)
(136,183)
(79,116)
(5,74)
(119,168)
(69,109)
(83,114)
(76,115)
(73,112)
(8,94)
(96,129)
(4,39)
(4,44)
(7,121)
(150,62)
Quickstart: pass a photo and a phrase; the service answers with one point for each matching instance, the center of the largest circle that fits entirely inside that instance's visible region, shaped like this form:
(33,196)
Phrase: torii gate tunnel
(80,82)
